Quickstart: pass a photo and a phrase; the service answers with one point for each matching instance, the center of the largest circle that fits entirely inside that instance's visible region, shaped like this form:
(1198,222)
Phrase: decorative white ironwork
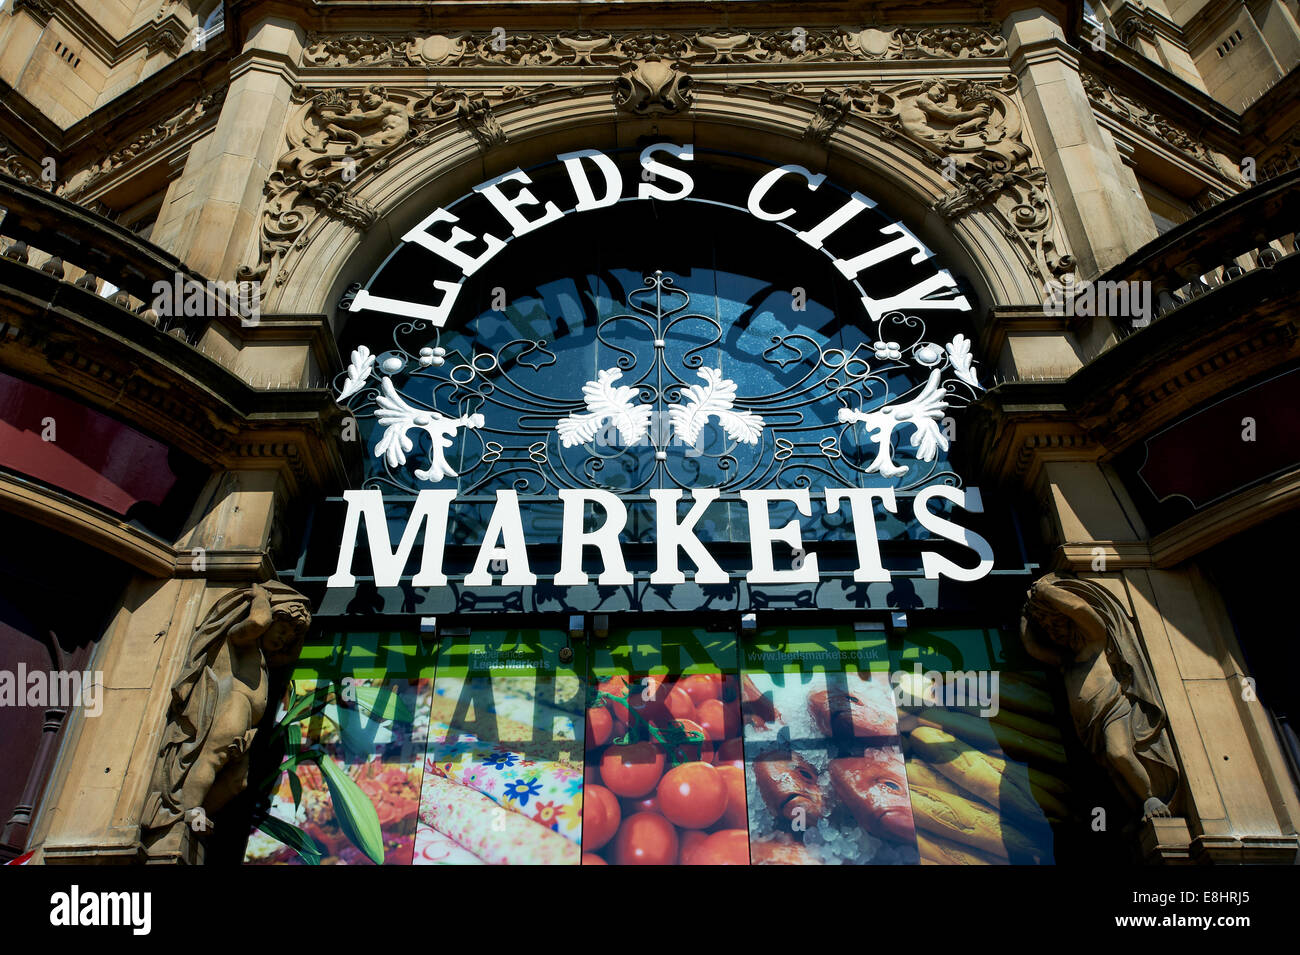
(399,418)
(843,416)
(607,405)
(962,362)
(713,400)
(359,369)
(921,413)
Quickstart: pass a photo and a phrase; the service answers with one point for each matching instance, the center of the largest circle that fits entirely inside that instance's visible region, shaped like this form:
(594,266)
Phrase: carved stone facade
(1162,130)
(293,153)
(202,110)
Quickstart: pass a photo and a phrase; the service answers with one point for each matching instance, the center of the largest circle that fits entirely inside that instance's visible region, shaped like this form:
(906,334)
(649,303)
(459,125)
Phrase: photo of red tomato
(665,782)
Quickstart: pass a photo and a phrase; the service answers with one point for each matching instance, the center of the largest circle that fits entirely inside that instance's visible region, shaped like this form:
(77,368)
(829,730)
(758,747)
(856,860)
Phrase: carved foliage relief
(594,49)
(970,130)
(338,134)
(1113,101)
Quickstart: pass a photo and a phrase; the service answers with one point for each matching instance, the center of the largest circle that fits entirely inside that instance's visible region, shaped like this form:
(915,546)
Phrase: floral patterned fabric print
(491,833)
(547,791)
(434,848)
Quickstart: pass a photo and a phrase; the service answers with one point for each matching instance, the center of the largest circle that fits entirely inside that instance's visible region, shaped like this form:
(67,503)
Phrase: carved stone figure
(375,123)
(652,86)
(936,115)
(1114,702)
(220,697)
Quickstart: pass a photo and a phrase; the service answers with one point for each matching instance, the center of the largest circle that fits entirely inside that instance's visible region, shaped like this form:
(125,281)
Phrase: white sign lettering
(504,541)
(664,178)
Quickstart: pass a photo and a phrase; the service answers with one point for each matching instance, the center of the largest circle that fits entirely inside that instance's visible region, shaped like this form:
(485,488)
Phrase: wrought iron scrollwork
(659,411)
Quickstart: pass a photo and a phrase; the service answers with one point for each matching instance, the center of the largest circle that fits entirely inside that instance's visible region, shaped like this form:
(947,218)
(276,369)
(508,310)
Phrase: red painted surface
(91,456)
(1204,458)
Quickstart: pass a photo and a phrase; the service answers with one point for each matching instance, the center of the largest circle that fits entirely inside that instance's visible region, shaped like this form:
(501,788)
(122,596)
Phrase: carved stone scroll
(337,135)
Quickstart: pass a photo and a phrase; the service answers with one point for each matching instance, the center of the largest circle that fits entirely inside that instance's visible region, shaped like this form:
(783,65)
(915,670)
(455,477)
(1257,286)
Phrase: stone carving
(1113,101)
(197,111)
(581,48)
(477,113)
(14,163)
(43,10)
(652,86)
(335,136)
(1281,158)
(367,49)
(1135,27)
(169,38)
(220,697)
(1114,701)
(332,198)
(372,123)
(971,128)
(833,108)
(976,124)
(959,42)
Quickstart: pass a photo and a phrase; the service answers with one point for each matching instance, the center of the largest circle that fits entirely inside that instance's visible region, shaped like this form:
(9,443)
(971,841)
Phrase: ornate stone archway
(367,162)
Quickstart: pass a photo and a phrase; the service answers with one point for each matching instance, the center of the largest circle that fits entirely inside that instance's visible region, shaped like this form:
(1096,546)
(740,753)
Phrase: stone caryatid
(220,697)
(1114,702)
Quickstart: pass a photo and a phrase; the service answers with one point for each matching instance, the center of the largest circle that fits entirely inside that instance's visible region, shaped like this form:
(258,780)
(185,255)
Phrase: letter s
(936,565)
(649,190)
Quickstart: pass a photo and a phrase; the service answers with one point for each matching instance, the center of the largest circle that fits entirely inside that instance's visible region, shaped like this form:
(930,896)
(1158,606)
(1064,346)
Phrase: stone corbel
(169,36)
(1134,27)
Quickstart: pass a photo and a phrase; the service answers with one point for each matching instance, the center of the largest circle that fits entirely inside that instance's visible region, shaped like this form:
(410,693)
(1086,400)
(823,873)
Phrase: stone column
(210,218)
(1103,220)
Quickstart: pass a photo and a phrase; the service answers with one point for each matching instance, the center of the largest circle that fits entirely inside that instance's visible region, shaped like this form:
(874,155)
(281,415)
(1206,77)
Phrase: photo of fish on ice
(824,771)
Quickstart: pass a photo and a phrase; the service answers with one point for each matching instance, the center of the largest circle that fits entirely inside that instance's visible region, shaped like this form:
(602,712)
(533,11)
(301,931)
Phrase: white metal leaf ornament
(606,402)
(399,418)
(923,413)
(959,354)
(359,369)
(715,399)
